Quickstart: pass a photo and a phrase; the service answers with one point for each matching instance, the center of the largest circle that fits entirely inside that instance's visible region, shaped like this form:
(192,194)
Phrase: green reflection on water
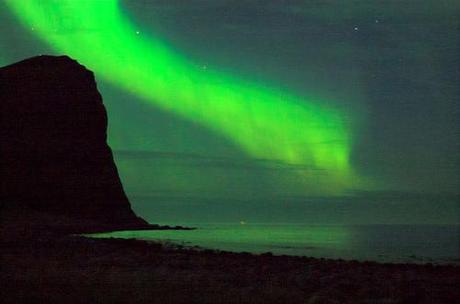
(278,239)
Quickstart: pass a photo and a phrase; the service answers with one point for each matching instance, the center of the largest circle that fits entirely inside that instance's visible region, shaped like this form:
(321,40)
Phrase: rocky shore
(75,269)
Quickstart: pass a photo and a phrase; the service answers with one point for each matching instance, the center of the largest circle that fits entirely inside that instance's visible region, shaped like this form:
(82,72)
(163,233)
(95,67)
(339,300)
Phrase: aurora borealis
(263,122)
(318,103)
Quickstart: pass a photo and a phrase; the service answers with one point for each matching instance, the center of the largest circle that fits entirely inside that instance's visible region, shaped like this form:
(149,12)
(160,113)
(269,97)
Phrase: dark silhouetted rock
(55,162)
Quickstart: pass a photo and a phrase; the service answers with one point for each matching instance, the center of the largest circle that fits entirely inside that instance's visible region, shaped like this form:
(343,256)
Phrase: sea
(436,244)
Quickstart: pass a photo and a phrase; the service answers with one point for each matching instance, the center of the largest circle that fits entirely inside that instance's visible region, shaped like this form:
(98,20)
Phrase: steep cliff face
(54,158)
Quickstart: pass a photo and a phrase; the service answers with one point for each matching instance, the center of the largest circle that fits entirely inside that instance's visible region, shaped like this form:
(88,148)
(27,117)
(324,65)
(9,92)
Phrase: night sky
(334,111)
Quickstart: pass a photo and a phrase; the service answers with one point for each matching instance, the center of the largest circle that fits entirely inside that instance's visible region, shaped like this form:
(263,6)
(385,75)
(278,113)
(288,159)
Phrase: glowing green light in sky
(264,122)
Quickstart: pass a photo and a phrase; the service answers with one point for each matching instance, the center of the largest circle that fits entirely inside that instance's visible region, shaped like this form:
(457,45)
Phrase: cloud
(193,159)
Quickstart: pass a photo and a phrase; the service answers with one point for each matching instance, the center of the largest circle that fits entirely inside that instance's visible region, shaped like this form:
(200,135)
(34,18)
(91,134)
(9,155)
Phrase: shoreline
(362,251)
(411,260)
(81,270)
(455,262)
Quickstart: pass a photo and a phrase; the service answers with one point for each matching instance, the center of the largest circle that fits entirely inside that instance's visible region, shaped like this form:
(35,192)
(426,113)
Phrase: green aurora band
(266,123)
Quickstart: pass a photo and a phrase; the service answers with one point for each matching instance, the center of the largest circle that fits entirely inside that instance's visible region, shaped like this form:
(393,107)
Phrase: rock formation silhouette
(56,167)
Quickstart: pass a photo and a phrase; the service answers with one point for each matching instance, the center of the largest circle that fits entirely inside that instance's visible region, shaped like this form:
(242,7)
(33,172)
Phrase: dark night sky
(391,67)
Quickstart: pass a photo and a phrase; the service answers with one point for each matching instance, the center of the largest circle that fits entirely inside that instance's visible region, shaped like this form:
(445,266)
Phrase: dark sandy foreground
(82,270)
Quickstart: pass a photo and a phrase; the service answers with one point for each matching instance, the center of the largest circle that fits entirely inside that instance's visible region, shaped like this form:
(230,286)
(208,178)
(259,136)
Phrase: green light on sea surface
(255,238)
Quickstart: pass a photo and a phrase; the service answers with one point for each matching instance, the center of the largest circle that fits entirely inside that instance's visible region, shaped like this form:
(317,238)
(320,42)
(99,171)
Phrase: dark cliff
(56,167)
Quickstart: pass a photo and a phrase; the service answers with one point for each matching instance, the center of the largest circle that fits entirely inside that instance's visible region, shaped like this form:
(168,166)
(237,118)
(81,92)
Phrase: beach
(74,269)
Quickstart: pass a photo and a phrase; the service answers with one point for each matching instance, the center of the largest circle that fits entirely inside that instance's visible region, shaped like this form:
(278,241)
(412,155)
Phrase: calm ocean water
(384,243)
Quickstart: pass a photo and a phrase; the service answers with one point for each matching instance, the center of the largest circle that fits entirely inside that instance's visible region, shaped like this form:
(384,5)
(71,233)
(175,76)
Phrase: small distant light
(33,29)
(356,28)
(137,32)
(377,21)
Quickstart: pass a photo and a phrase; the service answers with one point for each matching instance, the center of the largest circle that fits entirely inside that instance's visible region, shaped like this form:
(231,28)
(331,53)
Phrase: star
(356,28)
